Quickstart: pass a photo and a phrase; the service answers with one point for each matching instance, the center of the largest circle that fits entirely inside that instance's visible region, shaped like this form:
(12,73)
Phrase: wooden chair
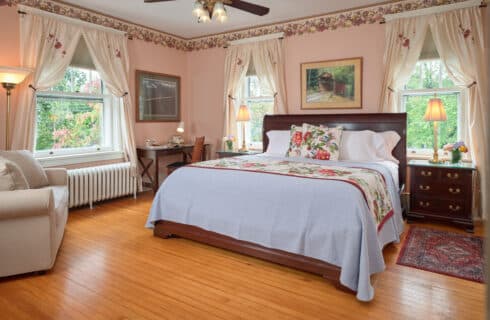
(197,155)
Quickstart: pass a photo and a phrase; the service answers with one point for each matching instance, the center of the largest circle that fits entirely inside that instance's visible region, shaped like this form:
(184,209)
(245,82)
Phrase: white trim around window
(83,156)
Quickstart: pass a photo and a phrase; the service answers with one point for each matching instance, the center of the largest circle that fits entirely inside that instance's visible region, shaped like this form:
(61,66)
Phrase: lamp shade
(180,128)
(243,114)
(435,111)
(13,75)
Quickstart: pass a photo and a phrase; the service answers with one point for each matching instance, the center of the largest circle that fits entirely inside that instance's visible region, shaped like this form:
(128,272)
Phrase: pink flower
(327,172)
(298,138)
(322,155)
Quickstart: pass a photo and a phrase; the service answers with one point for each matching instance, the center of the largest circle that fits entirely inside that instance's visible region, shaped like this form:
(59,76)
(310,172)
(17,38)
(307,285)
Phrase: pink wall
(206,74)
(366,41)
(9,56)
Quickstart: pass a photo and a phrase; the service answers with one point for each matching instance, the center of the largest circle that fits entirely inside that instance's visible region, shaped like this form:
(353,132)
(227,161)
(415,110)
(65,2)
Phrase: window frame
(67,156)
(418,153)
(247,99)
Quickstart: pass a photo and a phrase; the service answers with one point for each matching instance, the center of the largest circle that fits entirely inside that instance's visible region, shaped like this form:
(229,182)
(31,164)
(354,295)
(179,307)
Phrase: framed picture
(335,84)
(157,97)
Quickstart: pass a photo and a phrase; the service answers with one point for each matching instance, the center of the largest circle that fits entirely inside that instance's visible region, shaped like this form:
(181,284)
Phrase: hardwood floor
(111,267)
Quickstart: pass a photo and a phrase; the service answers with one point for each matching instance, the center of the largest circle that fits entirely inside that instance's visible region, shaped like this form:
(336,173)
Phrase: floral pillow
(320,142)
(295,142)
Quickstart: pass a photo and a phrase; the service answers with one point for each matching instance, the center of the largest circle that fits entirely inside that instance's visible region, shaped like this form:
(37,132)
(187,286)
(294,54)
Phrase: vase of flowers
(229,140)
(456,150)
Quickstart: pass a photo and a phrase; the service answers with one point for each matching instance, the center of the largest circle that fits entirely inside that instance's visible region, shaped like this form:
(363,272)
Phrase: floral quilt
(370,182)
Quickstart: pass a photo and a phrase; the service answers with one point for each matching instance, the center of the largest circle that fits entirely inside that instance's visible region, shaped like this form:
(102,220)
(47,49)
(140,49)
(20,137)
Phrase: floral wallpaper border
(334,21)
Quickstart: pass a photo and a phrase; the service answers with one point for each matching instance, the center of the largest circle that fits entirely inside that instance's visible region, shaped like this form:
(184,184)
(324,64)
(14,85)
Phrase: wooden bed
(375,121)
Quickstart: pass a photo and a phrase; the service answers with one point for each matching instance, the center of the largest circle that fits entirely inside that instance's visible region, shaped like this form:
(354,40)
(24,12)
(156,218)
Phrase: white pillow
(368,145)
(278,142)
(11,177)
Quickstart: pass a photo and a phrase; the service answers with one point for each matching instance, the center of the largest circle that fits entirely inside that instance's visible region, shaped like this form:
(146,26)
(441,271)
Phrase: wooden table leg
(156,183)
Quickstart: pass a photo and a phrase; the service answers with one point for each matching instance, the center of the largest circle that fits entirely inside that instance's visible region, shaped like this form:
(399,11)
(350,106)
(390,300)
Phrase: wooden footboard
(167,229)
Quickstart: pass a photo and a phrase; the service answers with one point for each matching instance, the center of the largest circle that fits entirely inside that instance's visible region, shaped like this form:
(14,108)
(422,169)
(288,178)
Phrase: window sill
(63,160)
(415,156)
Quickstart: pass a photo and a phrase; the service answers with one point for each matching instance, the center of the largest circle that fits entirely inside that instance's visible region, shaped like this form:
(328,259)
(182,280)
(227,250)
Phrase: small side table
(442,192)
(227,154)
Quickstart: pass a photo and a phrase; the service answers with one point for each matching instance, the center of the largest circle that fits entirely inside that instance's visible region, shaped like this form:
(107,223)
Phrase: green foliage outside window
(419,132)
(258,109)
(70,122)
(429,78)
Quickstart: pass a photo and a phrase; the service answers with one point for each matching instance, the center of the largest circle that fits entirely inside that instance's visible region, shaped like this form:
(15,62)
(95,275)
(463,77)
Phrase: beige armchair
(32,223)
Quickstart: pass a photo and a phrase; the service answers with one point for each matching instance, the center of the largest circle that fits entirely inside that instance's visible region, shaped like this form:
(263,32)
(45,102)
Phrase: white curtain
(268,60)
(236,65)
(459,38)
(404,42)
(110,56)
(47,47)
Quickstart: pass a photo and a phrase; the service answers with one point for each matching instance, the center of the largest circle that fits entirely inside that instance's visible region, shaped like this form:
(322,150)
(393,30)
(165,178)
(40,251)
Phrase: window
(70,114)
(428,79)
(260,101)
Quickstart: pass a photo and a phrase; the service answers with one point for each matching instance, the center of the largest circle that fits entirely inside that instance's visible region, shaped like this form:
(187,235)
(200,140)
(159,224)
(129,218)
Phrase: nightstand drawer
(450,191)
(460,177)
(438,207)
(424,173)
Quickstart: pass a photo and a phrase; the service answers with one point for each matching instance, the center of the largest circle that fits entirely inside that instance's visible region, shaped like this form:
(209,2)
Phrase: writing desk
(154,154)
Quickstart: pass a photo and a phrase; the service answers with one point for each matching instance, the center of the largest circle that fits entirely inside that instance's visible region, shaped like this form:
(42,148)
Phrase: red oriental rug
(449,253)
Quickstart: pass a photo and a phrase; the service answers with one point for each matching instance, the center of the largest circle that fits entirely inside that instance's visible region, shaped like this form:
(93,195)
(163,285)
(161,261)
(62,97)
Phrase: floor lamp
(435,112)
(9,78)
(243,117)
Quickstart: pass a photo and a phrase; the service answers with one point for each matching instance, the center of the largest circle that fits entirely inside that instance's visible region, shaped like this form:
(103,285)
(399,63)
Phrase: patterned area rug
(444,252)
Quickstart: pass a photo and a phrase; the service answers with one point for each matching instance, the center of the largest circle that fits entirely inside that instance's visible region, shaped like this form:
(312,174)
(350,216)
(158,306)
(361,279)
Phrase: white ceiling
(175,17)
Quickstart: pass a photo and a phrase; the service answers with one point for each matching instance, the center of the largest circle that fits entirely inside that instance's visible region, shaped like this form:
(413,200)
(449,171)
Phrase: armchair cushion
(11,176)
(34,173)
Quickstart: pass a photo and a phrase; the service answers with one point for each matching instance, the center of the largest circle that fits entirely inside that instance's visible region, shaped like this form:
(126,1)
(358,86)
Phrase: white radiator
(92,184)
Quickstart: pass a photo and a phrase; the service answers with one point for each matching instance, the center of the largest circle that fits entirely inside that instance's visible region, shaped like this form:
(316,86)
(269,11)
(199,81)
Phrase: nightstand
(441,192)
(227,154)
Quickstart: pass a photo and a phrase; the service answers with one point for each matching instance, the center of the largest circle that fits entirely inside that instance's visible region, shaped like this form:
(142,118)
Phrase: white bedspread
(324,219)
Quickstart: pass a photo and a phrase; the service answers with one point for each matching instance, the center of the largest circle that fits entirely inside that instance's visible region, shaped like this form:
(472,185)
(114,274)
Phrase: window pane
(429,74)
(68,123)
(419,132)
(258,109)
(80,80)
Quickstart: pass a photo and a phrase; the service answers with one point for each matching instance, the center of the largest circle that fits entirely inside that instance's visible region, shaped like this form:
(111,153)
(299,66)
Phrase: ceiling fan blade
(249,7)
(150,1)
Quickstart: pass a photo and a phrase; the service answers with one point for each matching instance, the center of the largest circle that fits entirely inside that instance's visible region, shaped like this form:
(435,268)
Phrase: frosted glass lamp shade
(243,114)
(198,9)
(180,128)
(13,75)
(219,9)
(435,111)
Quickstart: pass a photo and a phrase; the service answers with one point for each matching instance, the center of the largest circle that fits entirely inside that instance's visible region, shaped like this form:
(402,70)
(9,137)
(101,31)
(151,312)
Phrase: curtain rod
(21,9)
(434,10)
(279,35)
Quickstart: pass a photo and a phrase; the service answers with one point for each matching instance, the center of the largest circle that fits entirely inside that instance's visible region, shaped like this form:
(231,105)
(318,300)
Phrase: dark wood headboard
(352,121)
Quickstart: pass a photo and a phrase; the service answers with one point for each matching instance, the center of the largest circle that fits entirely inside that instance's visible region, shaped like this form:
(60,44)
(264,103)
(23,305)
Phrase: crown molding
(330,21)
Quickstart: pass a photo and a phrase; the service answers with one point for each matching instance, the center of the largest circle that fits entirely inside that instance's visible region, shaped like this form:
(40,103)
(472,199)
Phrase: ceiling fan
(205,10)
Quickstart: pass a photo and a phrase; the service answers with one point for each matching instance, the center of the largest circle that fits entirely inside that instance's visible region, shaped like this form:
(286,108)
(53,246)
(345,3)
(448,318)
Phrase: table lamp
(435,112)
(9,78)
(243,117)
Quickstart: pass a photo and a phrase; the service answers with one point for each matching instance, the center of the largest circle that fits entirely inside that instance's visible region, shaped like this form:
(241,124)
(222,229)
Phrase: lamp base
(436,161)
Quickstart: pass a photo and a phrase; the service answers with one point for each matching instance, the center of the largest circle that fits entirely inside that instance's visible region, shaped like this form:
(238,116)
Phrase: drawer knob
(455,190)
(426,173)
(454,208)
(424,204)
(425,188)
(452,175)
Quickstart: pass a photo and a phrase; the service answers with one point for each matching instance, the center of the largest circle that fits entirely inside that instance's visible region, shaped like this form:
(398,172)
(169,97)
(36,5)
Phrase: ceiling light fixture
(205,10)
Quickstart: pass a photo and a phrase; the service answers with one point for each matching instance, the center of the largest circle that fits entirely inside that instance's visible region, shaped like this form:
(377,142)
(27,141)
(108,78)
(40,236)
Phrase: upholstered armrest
(57,176)
(25,203)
